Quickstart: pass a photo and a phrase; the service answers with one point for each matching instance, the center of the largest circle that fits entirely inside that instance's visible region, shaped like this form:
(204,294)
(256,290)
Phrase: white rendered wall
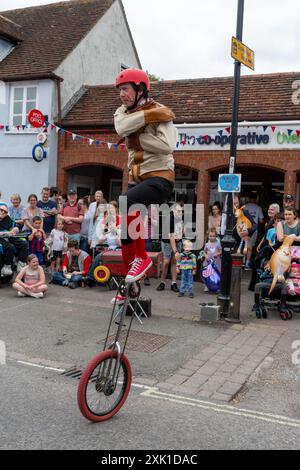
(97,59)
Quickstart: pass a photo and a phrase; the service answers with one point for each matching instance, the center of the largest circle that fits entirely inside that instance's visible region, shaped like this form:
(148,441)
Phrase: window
(23,100)
(123,67)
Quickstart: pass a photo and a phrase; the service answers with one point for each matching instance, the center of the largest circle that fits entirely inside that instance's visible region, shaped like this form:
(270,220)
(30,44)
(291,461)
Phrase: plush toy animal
(242,224)
(280,261)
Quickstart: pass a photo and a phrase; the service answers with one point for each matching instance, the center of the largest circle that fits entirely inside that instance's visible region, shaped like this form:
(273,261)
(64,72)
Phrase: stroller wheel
(258,312)
(264,312)
(286,315)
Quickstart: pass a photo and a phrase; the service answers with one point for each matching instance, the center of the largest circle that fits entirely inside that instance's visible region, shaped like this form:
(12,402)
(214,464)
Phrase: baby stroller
(211,276)
(285,297)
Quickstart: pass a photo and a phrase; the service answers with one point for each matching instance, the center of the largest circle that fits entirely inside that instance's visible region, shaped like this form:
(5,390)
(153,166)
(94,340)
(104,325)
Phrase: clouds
(189,39)
(178,39)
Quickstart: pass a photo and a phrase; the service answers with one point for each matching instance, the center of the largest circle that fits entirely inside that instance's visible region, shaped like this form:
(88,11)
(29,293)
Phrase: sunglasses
(3,210)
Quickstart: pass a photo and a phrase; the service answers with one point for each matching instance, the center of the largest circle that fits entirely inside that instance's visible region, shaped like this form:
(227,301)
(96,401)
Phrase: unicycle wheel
(99,396)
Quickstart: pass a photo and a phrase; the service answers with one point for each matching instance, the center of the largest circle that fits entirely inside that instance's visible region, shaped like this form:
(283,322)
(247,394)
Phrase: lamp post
(228,242)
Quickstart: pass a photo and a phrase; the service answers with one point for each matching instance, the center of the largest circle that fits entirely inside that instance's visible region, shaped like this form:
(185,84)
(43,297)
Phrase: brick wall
(72,154)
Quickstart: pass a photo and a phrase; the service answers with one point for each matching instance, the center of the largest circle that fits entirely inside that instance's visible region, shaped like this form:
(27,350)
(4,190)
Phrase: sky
(182,39)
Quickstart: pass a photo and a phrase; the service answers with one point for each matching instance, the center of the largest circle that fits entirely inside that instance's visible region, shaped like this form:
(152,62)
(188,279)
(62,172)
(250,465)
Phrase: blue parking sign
(230,183)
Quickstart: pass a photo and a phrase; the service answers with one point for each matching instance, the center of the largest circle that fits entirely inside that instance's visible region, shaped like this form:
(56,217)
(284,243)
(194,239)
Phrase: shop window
(23,100)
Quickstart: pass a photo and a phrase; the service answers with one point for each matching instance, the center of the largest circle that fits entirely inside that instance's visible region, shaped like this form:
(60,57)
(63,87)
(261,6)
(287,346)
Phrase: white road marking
(218,408)
(40,366)
(18,306)
(153,392)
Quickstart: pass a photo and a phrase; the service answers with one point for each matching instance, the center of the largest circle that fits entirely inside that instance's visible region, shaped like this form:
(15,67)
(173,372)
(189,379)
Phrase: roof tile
(262,98)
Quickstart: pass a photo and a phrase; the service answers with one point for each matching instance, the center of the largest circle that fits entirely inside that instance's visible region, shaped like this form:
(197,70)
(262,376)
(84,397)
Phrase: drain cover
(143,342)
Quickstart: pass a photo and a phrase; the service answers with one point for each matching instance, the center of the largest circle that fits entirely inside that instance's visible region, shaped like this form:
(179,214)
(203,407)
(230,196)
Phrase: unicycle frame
(115,346)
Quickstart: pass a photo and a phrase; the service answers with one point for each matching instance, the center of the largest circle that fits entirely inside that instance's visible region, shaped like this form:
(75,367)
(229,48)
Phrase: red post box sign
(36,118)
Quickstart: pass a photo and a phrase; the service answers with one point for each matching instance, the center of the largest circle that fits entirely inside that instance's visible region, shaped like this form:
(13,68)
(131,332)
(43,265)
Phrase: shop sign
(249,138)
(36,118)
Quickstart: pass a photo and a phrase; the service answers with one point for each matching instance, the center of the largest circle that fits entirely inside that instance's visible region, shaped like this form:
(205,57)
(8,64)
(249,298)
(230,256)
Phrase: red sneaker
(119,299)
(138,269)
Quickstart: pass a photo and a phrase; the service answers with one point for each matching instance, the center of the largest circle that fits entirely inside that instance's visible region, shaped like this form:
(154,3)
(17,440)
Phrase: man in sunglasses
(9,244)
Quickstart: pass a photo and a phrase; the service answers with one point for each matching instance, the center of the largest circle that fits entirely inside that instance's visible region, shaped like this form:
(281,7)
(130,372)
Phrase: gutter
(241,124)
(31,76)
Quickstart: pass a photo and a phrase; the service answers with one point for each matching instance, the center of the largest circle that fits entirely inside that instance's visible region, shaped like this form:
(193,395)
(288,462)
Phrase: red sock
(139,243)
(128,254)
(140,248)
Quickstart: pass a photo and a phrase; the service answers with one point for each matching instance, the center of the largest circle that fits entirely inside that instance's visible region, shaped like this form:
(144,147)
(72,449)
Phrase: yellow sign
(242,53)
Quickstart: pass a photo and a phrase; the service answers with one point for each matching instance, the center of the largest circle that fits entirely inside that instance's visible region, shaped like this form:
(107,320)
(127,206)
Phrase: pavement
(249,363)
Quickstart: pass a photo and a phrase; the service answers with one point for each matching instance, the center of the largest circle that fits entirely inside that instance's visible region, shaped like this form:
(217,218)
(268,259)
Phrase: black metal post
(228,242)
(235,292)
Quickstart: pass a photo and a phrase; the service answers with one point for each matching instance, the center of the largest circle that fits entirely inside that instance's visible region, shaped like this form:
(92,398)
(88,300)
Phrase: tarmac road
(39,411)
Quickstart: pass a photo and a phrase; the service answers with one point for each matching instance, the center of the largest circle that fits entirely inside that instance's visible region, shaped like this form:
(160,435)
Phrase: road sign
(36,118)
(242,53)
(230,183)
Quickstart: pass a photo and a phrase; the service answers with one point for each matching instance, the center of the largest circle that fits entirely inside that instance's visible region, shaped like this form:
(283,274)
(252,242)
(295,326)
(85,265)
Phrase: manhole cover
(143,342)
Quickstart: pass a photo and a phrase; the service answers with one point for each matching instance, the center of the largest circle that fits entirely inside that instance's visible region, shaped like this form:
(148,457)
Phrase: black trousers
(12,246)
(152,191)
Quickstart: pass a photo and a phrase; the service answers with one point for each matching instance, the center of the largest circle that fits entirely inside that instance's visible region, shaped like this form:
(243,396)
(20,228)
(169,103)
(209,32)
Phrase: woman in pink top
(31,280)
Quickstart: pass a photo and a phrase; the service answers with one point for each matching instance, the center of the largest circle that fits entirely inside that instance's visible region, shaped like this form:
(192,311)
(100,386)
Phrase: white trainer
(6,270)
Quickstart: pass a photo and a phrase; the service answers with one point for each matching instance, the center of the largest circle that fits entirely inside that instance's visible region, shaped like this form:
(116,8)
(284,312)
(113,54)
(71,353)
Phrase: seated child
(31,280)
(271,235)
(187,264)
(57,244)
(76,264)
(36,239)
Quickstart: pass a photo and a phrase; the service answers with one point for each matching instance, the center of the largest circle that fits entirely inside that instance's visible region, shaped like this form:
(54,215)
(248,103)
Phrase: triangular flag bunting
(290,131)
(228,130)
(52,127)
(7,128)
(273,128)
(57,129)
(109,145)
(177,145)
(1,127)
(74,136)
(220,132)
(123,147)
(91,141)
(265,128)
(298,132)
(116,146)
(18,127)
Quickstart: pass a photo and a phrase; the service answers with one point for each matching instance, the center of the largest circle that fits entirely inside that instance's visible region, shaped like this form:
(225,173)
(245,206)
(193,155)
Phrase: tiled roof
(50,33)
(10,30)
(262,98)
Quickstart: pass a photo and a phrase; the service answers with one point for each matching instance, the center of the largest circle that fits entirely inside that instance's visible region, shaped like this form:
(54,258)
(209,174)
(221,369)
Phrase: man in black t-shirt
(50,210)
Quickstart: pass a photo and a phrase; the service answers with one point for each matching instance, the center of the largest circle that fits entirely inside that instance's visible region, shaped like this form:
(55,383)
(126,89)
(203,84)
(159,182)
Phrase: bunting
(113,146)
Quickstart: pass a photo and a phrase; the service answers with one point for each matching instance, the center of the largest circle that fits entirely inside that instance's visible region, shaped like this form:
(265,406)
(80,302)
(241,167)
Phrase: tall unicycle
(106,381)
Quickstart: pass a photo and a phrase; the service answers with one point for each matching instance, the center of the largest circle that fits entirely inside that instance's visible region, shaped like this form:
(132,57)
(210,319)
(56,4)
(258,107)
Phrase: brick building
(269,137)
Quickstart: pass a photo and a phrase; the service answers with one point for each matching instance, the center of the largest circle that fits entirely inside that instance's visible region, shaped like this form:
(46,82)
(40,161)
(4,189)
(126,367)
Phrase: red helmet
(133,75)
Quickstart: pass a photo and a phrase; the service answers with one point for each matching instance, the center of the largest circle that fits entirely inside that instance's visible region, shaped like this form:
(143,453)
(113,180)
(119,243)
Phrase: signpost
(241,55)
(229,183)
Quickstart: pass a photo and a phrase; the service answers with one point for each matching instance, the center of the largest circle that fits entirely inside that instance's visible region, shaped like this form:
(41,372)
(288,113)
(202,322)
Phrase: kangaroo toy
(242,224)
(280,261)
